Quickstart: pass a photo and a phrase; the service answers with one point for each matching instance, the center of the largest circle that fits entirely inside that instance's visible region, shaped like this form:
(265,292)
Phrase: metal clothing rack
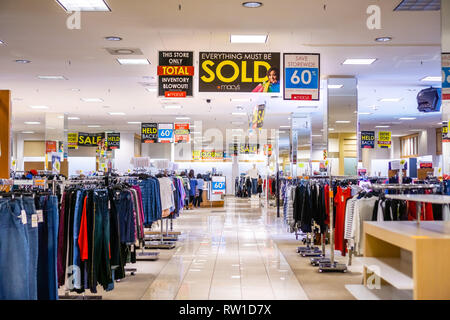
(330,265)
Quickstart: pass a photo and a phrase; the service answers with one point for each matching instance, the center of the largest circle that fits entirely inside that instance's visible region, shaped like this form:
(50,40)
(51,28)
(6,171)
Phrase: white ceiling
(36,30)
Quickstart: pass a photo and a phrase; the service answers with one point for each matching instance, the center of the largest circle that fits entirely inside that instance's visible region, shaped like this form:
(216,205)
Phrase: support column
(5,133)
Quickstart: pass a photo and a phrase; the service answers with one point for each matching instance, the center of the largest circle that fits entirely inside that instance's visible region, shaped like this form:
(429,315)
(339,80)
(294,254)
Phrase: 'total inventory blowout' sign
(239,72)
(367,139)
(113,141)
(301,76)
(181,132)
(149,133)
(175,73)
(384,139)
(165,132)
(445,76)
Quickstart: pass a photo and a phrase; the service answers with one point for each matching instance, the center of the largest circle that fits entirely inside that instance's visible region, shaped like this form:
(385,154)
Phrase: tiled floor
(226,253)
(240,251)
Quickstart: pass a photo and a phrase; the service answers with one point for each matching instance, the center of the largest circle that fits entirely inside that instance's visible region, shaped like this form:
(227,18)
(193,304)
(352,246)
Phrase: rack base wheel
(332,267)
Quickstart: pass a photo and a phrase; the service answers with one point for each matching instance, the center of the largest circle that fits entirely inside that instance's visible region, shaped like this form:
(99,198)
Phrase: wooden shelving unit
(426,276)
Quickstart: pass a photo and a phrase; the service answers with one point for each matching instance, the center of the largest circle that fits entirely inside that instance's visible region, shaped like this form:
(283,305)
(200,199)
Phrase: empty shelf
(361,292)
(393,270)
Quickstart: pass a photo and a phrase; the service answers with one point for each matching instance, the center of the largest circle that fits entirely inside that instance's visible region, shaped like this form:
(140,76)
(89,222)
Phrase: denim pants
(76,276)
(33,244)
(14,253)
(102,263)
(127,222)
(254,186)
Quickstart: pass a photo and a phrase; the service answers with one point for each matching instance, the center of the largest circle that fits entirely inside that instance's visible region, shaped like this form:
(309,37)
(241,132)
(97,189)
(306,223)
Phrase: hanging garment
(340,200)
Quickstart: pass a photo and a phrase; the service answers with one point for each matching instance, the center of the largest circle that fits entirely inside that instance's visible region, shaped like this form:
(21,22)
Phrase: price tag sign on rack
(218,185)
(301,76)
(165,132)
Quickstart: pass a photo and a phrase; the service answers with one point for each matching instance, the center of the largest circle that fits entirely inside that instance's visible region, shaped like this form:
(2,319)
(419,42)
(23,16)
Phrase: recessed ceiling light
(171,106)
(342,121)
(382,126)
(285,126)
(91,99)
(335,86)
(113,38)
(252,4)
(359,61)
(383,39)
(52,77)
(28,132)
(237,129)
(134,122)
(75,90)
(415,130)
(133,61)
(151,89)
(407,118)
(281,131)
(38,107)
(116,113)
(94,126)
(432,79)
(73,118)
(23,61)
(248,38)
(84,5)
(240,99)
(365,113)
(32,122)
(238,113)
(390,99)
(182,118)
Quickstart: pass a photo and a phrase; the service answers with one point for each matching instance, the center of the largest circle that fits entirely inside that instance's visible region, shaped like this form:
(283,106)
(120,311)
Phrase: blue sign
(302,78)
(445,77)
(165,132)
(218,185)
(367,139)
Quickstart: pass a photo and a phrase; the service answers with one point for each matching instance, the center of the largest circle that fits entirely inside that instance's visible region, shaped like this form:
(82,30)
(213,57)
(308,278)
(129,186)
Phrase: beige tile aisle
(227,253)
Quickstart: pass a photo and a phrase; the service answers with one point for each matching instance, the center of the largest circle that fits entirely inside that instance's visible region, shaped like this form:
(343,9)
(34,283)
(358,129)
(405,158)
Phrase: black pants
(198,199)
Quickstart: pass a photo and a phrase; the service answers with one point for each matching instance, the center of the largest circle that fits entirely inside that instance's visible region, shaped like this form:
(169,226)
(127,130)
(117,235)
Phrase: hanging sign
(175,73)
(207,155)
(218,185)
(113,141)
(247,148)
(384,139)
(149,133)
(367,139)
(56,163)
(445,60)
(424,165)
(181,132)
(239,72)
(165,132)
(258,116)
(90,139)
(50,146)
(445,135)
(268,150)
(301,76)
(72,140)
(234,149)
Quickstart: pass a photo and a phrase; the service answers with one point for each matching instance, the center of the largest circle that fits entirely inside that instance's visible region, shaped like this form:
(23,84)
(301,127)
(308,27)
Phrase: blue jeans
(254,186)
(126,218)
(33,244)
(14,253)
(76,230)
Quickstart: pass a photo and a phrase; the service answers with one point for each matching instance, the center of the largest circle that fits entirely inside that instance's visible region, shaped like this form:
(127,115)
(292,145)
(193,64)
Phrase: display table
(426,276)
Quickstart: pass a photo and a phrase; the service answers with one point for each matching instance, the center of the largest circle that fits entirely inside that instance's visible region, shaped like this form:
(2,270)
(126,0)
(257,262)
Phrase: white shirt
(253,173)
(166,188)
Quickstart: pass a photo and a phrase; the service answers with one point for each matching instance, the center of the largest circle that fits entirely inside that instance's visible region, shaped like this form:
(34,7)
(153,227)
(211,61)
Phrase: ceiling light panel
(52,77)
(116,113)
(407,118)
(432,79)
(84,5)
(248,38)
(91,100)
(32,122)
(335,86)
(359,61)
(133,61)
(390,99)
(419,5)
(38,107)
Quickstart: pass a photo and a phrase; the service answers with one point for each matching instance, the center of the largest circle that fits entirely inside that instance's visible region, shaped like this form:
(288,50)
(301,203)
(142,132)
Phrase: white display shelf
(393,270)
(361,292)
(428,198)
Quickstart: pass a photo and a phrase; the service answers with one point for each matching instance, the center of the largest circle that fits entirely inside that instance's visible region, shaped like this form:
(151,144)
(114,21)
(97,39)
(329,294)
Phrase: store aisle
(226,253)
